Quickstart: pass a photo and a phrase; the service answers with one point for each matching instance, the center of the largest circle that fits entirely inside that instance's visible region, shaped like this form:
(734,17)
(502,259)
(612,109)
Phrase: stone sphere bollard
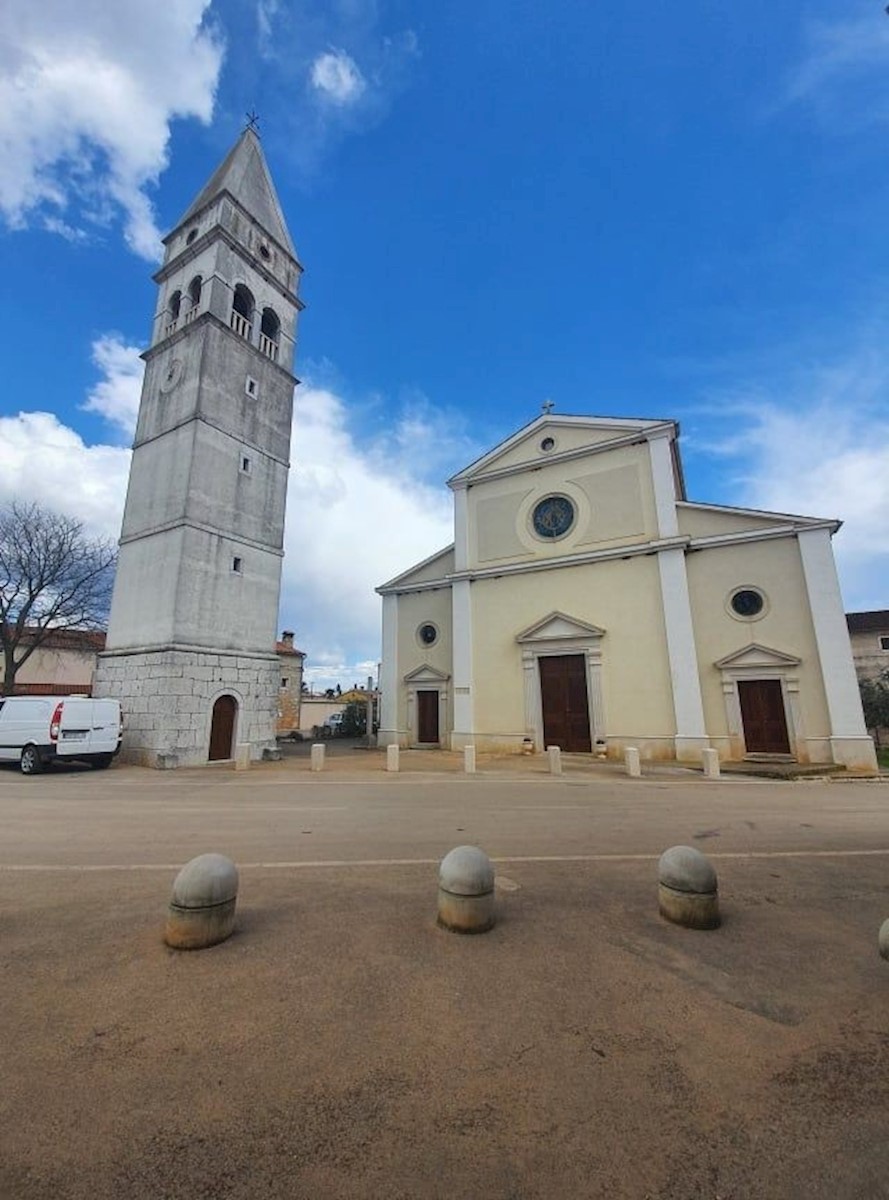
(687,888)
(202,906)
(466,891)
(883,939)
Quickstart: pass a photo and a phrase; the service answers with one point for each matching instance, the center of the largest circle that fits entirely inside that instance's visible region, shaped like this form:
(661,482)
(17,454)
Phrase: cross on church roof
(252,121)
(547,407)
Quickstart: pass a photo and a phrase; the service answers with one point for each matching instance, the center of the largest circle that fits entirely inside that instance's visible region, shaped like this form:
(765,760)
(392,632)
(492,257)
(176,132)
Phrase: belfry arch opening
(269,333)
(194,291)
(243,306)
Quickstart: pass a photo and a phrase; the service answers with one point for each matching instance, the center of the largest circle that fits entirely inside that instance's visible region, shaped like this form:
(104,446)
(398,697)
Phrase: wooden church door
(762,714)
(427,717)
(566,712)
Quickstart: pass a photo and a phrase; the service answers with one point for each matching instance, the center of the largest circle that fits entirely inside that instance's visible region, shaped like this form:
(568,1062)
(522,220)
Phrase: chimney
(287,638)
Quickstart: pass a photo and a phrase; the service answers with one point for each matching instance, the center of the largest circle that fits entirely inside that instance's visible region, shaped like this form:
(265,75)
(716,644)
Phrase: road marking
(321,864)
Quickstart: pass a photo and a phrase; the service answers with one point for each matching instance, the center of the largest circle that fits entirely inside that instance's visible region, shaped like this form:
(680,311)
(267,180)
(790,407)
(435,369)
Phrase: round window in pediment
(192,234)
(553,517)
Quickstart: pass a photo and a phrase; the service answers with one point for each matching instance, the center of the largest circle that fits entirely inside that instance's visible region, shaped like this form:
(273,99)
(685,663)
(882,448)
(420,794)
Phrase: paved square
(340,1045)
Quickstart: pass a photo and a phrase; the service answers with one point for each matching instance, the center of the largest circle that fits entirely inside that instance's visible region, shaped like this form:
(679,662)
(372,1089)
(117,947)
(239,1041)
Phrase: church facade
(190,651)
(586,603)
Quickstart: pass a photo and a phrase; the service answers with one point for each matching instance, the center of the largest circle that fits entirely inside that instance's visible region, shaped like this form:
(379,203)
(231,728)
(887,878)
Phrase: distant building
(291,663)
(869,637)
(62,665)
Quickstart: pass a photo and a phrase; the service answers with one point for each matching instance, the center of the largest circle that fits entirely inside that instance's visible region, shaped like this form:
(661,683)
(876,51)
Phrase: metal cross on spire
(252,121)
(547,407)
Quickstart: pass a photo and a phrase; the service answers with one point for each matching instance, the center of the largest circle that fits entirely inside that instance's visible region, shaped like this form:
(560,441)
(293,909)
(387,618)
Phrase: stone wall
(168,695)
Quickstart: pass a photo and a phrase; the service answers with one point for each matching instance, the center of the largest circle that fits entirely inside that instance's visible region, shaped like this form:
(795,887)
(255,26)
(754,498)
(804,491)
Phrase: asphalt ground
(341,1045)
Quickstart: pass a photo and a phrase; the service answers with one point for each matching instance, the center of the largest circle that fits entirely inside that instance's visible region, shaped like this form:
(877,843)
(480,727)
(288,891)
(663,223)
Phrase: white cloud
(337,77)
(43,460)
(820,447)
(87,94)
(355,518)
(843,69)
(116,396)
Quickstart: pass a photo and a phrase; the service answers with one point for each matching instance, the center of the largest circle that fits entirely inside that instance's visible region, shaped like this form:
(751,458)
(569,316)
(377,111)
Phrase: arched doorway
(222,728)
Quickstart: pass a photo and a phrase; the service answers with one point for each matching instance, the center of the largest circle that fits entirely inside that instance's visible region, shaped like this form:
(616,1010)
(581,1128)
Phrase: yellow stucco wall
(612,494)
(415,609)
(621,597)
(775,568)
(706,522)
(566,437)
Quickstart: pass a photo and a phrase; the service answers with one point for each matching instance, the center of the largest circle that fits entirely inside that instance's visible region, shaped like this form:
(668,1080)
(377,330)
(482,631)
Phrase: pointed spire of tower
(245,176)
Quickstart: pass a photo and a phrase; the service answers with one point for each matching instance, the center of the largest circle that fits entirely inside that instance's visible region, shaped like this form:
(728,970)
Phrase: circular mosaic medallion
(553,517)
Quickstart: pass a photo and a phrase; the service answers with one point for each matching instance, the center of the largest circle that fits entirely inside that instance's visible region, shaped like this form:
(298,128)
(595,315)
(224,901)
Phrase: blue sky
(669,210)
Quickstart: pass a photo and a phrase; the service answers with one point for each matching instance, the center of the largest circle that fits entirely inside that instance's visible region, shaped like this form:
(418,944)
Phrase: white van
(36,731)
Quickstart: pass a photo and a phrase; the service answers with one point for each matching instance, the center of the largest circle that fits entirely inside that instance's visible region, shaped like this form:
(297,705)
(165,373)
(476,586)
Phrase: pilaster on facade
(688,706)
(464,708)
(849,740)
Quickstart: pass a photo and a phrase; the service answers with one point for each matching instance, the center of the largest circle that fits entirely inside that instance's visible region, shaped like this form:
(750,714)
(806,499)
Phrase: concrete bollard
(710,759)
(318,750)
(687,888)
(466,891)
(469,760)
(883,939)
(391,758)
(242,756)
(554,754)
(634,766)
(202,904)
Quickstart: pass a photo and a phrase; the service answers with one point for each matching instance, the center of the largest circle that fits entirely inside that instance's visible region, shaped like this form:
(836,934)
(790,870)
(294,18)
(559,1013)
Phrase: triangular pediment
(558,626)
(432,569)
(566,437)
(245,176)
(755,655)
(426,674)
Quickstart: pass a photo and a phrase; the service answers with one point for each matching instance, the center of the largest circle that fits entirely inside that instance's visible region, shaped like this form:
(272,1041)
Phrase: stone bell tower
(191,639)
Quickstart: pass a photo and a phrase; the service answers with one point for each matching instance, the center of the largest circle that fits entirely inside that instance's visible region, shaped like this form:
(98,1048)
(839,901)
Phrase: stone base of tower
(183,707)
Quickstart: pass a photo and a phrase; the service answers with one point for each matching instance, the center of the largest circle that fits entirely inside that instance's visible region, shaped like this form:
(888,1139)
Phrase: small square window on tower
(251,387)
(237,564)
(246,464)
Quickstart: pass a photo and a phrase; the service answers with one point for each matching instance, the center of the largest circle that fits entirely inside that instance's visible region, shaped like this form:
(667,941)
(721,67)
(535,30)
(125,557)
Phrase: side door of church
(563,694)
(762,714)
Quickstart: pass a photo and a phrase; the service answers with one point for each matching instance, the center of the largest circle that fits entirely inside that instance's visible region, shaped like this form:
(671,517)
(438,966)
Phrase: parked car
(37,731)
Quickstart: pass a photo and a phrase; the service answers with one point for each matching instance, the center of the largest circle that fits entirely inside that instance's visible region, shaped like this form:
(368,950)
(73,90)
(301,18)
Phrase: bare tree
(52,577)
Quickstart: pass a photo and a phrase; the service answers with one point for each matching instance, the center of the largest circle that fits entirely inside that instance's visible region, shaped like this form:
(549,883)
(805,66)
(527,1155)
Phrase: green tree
(354,719)
(875,701)
(52,577)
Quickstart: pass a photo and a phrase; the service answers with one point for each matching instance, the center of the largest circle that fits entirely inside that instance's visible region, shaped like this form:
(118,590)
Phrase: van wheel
(30,762)
(100,762)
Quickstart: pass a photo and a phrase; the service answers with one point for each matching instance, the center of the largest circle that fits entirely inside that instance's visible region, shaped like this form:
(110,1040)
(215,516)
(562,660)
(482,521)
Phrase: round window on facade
(264,252)
(427,634)
(547,444)
(192,234)
(747,603)
(553,517)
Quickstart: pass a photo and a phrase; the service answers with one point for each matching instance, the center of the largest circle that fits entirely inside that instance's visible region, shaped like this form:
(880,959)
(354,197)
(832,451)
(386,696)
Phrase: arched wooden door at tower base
(222,728)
